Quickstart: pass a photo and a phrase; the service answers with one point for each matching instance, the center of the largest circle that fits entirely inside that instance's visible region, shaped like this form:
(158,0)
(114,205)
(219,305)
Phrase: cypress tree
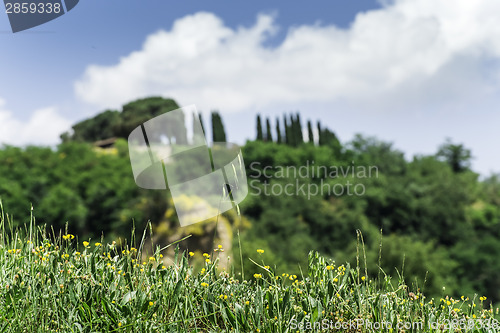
(260,136)
(223,130)
(320,135)
(269,136)
(201,123)
(300,136)
(218,132)
(278,131)
(215,128)
(294,132)
(310,133)
(287,130)
(198,137)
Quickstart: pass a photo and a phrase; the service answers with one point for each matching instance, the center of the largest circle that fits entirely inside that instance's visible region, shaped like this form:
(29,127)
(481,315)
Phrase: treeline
(292,132)
(119,124)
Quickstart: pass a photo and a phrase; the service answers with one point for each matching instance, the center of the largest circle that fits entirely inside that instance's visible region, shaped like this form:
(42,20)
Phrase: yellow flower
(260,251)
(133,249)
(219,246)
(363,278)
(329,268)
(151,303)
(68,237)
(335,280)
(119,324)
(206,255)
(257,276)
(97,244)
(207,261)
(247,303)
(85,243)
(191,254)
(204,284)
(152,259)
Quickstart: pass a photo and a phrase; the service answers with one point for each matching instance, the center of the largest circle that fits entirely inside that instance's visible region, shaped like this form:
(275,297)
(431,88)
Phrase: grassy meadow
(53,281)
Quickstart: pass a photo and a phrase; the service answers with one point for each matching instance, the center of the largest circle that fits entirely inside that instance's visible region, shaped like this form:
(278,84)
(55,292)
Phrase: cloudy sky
(413,72)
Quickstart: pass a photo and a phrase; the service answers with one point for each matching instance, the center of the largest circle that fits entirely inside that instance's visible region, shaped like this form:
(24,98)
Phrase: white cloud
(42,128)
(410,51)
(413,72)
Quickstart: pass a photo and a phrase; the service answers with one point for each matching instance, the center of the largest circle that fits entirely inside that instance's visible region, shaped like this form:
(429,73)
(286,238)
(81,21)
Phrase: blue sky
(411,71)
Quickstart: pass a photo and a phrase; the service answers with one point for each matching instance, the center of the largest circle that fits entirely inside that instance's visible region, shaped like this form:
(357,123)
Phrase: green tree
(260,135)
(310,133)
(102,126)
(279,139)
(54,208)
(456,155)
(198,131)
(320,134)
(138,112)
(298,130)
(288,134)
(218,131)
(269,136)
(201,123)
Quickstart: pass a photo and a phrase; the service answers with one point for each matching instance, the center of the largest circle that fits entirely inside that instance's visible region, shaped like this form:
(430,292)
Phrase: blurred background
(409,87)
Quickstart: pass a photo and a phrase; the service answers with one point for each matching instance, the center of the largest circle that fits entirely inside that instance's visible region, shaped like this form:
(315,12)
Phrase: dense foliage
(438,224)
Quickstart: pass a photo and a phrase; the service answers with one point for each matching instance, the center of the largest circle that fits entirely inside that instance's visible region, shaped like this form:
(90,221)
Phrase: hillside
(437,222)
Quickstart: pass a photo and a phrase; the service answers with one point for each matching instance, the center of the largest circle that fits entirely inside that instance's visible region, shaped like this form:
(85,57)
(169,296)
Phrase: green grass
(54,283)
